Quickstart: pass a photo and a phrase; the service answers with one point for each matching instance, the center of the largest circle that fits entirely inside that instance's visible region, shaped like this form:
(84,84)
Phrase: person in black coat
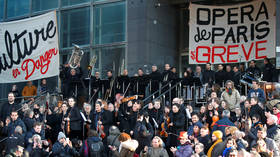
(16,93)
(28,119)
(63,147)
(229,73)
(140,83)
(256,109)
(92,141)
(12,123)
(253,70)
(73,82)
(220,75)
(236,77)
(7,108)
(75,120)
(205,139)
(123,82)
(208,75)
(268,71)
(155,79)
(16,139)
(37,129)
(143,132)
(177,123)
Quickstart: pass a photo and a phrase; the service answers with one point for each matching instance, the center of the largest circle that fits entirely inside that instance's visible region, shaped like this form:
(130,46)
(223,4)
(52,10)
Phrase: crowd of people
(230,124)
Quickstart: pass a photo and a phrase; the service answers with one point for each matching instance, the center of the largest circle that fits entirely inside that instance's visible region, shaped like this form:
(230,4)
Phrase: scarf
(212,147)
(229,90)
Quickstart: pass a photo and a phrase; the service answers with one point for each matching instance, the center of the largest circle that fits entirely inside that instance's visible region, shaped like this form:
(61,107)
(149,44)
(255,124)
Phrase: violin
(100,130)
(163,125)
(126,99)
(68,125)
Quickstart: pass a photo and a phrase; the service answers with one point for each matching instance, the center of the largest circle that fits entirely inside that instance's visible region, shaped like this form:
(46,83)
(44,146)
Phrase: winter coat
(75,118)
(37,152)
(184,151)
(28,123)
(30,134)
(143,133)
(127,149)
(218,149)
(10,129)
(13,141)
(178,120)
(232,100)
(256,109)
(222,124)
(58,150)
(86,147)
(154,152)
(113,139)
(206,142)
(259,93)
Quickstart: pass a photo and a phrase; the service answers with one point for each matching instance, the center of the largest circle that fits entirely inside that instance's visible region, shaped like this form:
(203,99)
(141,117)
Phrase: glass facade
(1,9)
(72,2)
(17,8)
(75,27)
(39,5)
(109,23)
(98,26)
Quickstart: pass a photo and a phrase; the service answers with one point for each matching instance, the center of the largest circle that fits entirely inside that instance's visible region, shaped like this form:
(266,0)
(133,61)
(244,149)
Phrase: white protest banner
(29,49)
(232,34)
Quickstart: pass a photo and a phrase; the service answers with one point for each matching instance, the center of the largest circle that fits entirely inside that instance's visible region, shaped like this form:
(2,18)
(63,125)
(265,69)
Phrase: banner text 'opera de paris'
(232,34)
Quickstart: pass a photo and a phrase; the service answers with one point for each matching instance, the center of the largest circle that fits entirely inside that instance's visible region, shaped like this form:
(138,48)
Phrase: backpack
(94,149)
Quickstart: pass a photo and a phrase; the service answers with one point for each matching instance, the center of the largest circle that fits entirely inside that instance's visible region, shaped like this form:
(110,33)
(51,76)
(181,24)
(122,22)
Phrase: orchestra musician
(155,79)
(74,119)
(88,124)
(123,82)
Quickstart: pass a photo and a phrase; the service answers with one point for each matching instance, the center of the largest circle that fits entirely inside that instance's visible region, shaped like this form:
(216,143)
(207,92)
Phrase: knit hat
(183,134)
(218,134)
(60,136)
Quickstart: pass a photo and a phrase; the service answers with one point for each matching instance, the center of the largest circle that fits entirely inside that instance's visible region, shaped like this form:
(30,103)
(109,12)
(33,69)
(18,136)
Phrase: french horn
(76,57)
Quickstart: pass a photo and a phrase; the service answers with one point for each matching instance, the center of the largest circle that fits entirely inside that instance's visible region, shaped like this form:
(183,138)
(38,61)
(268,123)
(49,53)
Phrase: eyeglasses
(275,109)
(254,119)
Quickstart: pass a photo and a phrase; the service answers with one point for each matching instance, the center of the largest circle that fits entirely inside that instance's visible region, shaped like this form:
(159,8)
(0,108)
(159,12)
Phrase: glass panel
(72,2)
(1,9)
(38,5)
(111,59)
(110,23)
(75,27)
(17,7)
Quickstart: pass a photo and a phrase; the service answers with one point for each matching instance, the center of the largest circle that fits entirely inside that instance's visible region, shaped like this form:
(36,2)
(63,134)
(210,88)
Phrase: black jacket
(268,72)
(75,118)
(220,77)
(206,141)
(208,77)
(178,120)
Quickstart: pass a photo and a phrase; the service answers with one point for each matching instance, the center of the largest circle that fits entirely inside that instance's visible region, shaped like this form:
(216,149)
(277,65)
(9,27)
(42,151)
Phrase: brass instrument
(76,57)
(91,66)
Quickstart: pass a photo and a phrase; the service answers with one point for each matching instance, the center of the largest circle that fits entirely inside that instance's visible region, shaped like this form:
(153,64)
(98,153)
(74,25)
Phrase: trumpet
(76,57)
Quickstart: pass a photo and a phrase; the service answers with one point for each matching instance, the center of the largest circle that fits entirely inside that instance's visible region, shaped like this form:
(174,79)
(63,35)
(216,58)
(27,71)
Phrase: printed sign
(232,34)
(29,49)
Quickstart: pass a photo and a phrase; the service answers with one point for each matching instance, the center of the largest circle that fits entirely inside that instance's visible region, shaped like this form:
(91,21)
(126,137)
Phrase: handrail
(147,98)
(164,93)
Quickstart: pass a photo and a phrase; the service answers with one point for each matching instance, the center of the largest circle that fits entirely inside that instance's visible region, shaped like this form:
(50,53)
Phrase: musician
(177,122)
(228,73)
(109,86)
(88,113)
(268,71)
(95,86)
(236,77)
(8,107)
(74,118)
(256,91)
(63,114)
(123,82)
(98,116)
(155,79)
(220,75)
(156,113)
(208,75)
(166,73)
(73,80)
(29,91)
(140,83)
(175,78)
(253,70)
(198,73)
